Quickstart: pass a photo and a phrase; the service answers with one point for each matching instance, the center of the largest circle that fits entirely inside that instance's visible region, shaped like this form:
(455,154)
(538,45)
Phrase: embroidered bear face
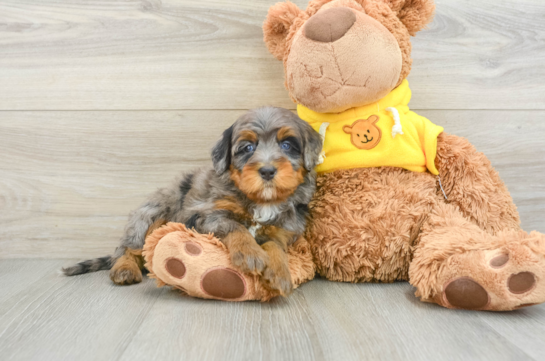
(364,133)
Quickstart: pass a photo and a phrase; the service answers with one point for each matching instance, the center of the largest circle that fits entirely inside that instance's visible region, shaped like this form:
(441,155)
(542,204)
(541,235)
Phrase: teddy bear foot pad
(506,278)
(197,264)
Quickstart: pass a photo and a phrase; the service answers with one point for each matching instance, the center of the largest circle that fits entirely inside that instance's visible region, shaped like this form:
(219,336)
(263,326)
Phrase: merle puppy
(255,199)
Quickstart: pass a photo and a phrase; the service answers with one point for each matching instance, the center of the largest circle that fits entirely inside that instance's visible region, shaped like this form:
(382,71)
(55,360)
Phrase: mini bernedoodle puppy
(255,199)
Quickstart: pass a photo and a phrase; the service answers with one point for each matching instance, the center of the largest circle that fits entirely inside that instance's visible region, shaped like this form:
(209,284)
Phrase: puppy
(255,199)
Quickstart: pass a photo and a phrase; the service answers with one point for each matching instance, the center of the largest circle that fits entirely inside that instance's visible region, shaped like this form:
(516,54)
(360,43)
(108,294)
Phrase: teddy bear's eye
(358,135)
(368,131)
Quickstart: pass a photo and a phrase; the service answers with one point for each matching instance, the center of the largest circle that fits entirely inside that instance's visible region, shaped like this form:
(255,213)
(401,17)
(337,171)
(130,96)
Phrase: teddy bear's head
(340,54)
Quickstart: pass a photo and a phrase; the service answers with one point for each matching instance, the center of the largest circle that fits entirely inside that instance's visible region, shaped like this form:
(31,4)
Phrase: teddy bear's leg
(471,183)
(200,265)
(458,265)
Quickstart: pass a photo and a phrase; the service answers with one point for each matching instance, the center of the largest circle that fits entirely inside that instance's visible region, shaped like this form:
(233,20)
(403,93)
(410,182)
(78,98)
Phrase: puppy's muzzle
(267,172)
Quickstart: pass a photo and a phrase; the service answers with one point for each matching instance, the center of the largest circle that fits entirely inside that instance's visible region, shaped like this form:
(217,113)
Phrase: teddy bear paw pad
(526,305)
(223,283)
(193,249)
(499,261)
(521,282)
(467,294)
(175,267)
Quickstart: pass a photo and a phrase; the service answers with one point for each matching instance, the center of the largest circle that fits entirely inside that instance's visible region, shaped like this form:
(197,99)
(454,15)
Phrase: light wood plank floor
(46,316)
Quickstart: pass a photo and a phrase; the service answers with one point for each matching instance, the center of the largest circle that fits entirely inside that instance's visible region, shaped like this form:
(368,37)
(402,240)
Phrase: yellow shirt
(365,137)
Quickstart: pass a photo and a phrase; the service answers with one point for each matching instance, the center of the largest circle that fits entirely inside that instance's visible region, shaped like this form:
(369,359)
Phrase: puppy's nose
(330,24)
(267,172)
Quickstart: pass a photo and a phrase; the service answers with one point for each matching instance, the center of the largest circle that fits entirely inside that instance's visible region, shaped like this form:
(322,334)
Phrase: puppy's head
(268,152)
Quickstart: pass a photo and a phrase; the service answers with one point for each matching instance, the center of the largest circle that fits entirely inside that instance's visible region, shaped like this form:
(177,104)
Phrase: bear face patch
(364,133)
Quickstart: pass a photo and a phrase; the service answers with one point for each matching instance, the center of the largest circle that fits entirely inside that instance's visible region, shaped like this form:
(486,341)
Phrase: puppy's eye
(285,145)
(249,148)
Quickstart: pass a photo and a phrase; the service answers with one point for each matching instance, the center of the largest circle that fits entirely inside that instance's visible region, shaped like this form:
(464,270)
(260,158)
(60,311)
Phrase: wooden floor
(46,316)
(103,101)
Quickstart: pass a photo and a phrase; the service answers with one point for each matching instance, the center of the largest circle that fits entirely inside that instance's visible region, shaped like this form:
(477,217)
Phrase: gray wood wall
(103,101)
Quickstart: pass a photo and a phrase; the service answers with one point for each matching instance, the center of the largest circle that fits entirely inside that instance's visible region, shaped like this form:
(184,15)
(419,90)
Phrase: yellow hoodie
(385,133)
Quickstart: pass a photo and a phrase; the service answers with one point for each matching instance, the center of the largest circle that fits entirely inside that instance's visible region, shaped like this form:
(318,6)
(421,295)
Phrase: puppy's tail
(91,265)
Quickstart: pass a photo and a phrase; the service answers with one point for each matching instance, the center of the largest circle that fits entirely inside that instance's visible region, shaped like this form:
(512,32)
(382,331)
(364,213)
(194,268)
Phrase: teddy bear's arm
(471,183)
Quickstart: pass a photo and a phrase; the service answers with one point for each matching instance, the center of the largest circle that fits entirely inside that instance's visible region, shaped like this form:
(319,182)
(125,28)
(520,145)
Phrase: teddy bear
(398,199)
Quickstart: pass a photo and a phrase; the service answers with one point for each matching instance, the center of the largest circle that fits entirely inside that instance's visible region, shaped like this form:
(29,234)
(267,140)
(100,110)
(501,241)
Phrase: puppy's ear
(414,14)
(221,153)
(312,147)
(277,27)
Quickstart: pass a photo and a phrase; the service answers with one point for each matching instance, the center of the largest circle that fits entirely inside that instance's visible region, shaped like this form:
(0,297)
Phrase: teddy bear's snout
(329,25)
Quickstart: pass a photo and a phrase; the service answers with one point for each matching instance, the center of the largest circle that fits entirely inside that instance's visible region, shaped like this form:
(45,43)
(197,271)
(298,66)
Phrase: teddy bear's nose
(329,25)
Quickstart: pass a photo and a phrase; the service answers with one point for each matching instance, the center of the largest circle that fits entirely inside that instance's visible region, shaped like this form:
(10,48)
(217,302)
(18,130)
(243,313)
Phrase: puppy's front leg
(277,275)
(245,253)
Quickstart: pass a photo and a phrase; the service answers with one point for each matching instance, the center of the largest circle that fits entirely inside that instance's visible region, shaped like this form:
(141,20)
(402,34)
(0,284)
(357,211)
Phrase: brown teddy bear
(397,199)
(440,218)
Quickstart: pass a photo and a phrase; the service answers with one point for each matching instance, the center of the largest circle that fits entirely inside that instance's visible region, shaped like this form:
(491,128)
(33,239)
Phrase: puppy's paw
(249,257)
(277,278)
(126,271)
(125,276)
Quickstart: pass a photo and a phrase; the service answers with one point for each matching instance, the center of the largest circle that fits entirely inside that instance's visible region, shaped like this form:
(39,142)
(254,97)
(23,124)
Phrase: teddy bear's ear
(277,26)
(347,129)
(414,14)
(373,119)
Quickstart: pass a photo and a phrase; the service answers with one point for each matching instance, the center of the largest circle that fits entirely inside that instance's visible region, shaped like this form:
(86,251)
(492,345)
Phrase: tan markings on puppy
(157,224)
(277,275)
(249,181)
(127,269)
(287,179)
(278,235)
(284,133)
(245,253)
(247,135)
(282,186)
(232,205)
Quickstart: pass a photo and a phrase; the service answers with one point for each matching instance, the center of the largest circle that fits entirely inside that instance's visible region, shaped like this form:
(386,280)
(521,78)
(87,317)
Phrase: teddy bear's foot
(200,265)
(508,277)
(197,264)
